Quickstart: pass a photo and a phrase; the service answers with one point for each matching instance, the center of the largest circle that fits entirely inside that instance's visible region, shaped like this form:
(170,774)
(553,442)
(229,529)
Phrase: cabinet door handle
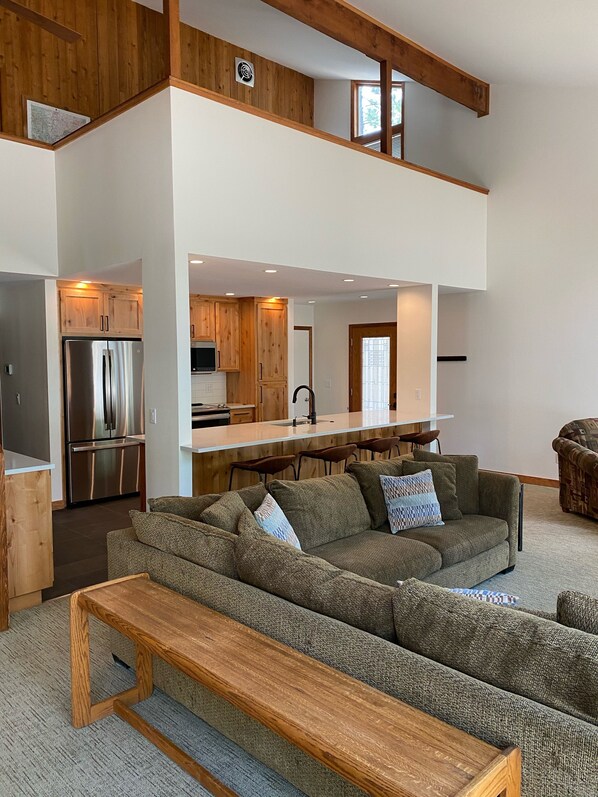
(101,323)
(219,358)
(107,324)
(192,330)
(261,395)
(261,371)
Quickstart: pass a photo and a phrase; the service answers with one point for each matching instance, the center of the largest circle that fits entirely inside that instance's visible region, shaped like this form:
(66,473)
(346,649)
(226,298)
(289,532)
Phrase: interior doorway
(304,363)
(372,367)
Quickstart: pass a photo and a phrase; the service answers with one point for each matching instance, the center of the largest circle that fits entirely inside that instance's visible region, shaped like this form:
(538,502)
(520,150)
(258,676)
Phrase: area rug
(43,756)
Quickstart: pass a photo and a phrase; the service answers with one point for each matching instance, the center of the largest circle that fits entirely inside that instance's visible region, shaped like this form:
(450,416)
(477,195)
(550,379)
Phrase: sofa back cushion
(511,650)
(577,610)
(188,539)
(444,476)
(280,569)
(192,507)
(467,474)
(322,510)
(225,512)
(368,476)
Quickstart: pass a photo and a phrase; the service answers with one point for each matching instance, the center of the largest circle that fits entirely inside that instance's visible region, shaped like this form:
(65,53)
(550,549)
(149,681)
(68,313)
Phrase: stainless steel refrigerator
(103,389)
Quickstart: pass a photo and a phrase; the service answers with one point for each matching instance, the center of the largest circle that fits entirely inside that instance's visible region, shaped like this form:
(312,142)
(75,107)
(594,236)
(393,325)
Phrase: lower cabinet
(246,415)
(273,401)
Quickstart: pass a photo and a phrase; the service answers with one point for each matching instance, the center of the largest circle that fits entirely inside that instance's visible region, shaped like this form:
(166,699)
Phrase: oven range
(203,415)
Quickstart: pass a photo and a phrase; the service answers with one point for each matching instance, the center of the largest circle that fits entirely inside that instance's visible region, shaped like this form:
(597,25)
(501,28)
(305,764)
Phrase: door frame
(310,330)
(355,396)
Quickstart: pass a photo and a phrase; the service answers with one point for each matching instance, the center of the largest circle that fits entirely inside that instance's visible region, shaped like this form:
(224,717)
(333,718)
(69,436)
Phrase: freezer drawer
(102,470)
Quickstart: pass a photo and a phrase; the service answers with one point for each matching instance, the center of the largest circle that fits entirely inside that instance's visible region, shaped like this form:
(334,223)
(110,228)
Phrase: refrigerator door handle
(106,390)
(99,448)
(112,391)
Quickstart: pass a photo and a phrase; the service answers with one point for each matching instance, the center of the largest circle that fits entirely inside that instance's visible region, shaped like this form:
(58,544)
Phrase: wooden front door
(372,367)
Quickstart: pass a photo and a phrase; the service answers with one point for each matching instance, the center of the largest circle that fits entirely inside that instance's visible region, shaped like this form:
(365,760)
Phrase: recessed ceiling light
(86,282)
(196,262)
(312,301)
(348,280)
(229,294)
(363,297)
(270,271)
(394,285)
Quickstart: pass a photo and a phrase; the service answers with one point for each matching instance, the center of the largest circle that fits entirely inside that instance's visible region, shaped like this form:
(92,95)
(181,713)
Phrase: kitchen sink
(301,422)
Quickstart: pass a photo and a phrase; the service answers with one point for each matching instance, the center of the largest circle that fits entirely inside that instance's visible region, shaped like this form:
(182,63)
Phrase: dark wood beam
(4,617)
(172,34)
(350,26)
(386,107)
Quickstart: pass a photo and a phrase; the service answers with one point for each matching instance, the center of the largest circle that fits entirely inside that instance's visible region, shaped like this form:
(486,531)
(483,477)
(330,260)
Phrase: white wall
(23,345)
(332,107)
(417,331)
(331,345)
(28,242)
(249,202)
(531,339)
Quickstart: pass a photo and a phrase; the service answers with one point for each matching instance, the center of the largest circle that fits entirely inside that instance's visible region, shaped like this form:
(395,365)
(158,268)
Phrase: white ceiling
(513,41)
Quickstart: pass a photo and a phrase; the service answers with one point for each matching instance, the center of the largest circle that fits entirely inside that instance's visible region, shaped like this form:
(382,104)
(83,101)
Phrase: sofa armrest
(499,497)
(581,457)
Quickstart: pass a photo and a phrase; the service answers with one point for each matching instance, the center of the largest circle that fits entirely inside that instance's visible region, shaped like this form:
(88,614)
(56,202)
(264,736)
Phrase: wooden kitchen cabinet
(273,401)
(227,335)
(272,341)
(202,319)
(82,311)
(246,415)
(101,311)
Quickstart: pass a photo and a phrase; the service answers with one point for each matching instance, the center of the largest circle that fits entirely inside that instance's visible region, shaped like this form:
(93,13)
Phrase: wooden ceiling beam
(350,26)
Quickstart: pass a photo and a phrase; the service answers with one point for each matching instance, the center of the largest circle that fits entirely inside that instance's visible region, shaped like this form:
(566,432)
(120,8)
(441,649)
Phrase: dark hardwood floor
(80,543)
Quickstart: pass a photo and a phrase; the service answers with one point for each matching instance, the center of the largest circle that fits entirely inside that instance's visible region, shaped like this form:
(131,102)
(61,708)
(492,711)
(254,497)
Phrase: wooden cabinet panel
(227,335)
(124,310)
(272,343)
(273,397)
(242,416)
(29,529)
(82,311)
(202,319)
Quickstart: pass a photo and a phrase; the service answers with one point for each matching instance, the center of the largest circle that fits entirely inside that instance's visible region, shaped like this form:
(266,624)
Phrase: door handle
(101,323)
(97,449)
(218,358)
(104,388)
(107,324)
(261,371)
(112,407)
(192,330)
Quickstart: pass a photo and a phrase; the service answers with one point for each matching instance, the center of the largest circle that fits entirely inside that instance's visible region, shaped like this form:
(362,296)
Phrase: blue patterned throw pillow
(488,596)
(411,501)
(271,519)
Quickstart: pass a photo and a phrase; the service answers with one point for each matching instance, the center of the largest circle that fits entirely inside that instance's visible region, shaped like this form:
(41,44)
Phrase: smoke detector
(244,72)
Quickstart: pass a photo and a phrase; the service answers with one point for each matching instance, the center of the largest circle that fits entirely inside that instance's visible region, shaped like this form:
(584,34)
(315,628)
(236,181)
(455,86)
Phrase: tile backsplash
(208,388)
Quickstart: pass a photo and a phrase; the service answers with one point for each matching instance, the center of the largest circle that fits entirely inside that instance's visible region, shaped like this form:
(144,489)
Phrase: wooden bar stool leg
(230,478)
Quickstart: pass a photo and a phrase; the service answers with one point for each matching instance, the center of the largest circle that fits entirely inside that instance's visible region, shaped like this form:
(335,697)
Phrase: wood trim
(540,481)
(309,330)
(4,607)
(20,602)
(355,394)
(355,29)
(45,23)
(343,142)
(29,141)
(172,36)
(368,138)
(386,86)
(58,505)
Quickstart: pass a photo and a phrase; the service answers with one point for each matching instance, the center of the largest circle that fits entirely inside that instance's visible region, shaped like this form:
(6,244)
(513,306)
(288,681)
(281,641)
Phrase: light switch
(418,394)
(153,415)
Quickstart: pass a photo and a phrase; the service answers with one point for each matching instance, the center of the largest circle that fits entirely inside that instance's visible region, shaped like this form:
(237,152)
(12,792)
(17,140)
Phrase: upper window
(366,122)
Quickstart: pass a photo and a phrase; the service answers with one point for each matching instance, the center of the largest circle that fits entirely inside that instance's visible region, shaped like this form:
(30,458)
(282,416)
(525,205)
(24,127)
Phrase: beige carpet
(560,551)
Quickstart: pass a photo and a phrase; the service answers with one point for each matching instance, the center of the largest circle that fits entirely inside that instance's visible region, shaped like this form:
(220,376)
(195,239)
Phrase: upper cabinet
(272,344)
(202,318)
(227,335)
(101,311)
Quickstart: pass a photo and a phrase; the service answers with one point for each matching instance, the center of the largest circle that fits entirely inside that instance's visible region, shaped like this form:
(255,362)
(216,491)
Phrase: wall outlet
(9,369)
(418,394)
(208,387)
(153,415)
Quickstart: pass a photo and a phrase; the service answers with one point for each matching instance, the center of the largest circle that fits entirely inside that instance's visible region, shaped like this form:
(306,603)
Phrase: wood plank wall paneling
(122,54)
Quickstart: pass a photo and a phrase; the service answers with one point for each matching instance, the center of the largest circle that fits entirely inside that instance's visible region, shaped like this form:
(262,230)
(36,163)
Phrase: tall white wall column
(167,372)
(417,348)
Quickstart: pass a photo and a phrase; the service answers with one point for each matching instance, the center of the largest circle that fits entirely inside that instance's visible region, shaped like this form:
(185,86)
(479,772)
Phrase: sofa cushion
(368,475)
(466,467)
(324,509)
(445,483)
(511,650)
(577,610)
(192,507)
(459,540)
(270,517)
(188,539)
(383,557)
(279,568)
(225,512)
(411,501)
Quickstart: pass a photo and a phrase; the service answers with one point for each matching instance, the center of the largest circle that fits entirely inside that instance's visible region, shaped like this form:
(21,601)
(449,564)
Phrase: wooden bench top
(375,741)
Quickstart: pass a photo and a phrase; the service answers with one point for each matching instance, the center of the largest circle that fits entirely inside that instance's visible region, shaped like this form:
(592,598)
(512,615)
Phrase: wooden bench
(378,743)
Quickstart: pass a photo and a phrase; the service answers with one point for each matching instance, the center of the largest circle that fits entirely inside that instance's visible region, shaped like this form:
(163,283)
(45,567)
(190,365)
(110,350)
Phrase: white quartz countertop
(220,438)
(20,463)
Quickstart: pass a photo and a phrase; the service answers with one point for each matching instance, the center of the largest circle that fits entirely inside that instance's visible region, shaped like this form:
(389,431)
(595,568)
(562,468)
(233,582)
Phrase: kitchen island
(216,447)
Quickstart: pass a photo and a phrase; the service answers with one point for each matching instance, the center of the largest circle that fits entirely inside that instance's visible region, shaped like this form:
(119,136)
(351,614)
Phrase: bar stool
(264,467)
(379,445)
(421,439)
(330,455)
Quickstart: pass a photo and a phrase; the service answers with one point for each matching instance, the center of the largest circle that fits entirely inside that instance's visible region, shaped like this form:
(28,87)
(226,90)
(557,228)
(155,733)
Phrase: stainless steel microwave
(203,357)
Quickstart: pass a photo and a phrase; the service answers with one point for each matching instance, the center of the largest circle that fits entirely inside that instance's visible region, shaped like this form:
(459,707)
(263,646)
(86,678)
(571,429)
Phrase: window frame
(368,138)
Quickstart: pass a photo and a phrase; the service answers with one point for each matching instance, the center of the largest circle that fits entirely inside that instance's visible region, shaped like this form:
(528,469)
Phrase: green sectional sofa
(326,604)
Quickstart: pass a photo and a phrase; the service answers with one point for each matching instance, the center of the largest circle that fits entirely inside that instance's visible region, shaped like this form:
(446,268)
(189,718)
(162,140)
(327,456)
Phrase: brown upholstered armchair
(577,449)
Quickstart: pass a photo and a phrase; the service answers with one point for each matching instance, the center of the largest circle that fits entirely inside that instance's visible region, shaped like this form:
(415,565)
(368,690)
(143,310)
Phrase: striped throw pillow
(488,596)
(411,501)
(271,519)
